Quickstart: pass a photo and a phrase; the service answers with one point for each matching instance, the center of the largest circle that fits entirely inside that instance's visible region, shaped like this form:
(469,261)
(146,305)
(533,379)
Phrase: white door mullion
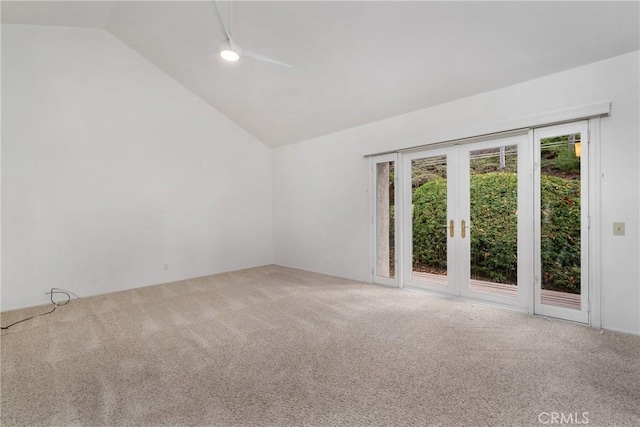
(462,214)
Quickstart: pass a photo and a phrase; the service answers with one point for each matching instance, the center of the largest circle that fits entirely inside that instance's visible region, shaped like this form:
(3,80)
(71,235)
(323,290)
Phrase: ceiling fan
(230,51)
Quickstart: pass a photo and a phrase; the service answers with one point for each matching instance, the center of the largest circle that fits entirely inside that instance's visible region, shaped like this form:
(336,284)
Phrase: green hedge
(494,232)
(430,225)
(560,229)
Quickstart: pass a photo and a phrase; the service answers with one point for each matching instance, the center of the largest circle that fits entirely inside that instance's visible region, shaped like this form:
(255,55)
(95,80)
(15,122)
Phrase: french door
(504,220)
(467,220)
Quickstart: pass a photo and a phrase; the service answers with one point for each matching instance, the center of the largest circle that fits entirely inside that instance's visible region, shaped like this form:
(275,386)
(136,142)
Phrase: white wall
(111,169)
(321,217)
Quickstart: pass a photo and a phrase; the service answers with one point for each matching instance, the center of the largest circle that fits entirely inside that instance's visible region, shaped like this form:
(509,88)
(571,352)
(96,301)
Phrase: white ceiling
(67,13)
(354,62)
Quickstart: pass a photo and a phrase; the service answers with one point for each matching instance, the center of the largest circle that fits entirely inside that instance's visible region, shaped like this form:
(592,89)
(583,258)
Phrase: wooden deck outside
(555,298)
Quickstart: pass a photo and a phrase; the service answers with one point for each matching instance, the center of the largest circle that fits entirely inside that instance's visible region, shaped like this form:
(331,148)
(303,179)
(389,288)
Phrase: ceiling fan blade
(213,6)
(265,58)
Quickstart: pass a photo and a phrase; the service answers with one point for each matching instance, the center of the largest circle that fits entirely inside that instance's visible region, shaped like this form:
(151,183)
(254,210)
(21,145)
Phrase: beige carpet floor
(273,346)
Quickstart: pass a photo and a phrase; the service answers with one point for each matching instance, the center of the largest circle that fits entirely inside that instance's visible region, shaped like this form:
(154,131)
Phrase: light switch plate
(618,228)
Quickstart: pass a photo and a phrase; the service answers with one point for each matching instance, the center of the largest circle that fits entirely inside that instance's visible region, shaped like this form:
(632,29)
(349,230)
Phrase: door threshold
(467,299)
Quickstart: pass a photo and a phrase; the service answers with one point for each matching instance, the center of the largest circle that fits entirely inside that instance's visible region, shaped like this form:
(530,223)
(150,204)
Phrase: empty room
(320,213)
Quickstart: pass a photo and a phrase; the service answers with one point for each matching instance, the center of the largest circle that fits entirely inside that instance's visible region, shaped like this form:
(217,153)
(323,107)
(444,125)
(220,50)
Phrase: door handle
(463,225)
(451,228)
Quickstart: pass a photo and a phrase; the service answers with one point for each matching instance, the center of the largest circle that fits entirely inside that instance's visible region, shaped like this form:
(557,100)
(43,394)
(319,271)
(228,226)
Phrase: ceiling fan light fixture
(229,55)
(231,52)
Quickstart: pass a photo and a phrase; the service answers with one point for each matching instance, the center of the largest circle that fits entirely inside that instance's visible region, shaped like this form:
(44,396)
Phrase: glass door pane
(560,228)
(430,220)
(385,219)
(493,232)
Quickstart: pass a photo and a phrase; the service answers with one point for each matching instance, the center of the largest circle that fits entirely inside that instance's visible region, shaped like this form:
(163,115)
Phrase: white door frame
(581,315)
(525,219)
(375,278)
(592,113)
(407,220)
(595,318)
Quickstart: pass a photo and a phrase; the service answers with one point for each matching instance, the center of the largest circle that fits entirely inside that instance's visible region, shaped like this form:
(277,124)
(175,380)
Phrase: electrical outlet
(166,266)
(618,228)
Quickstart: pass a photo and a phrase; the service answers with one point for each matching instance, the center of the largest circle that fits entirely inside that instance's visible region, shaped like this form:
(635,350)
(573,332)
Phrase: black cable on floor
(56,304)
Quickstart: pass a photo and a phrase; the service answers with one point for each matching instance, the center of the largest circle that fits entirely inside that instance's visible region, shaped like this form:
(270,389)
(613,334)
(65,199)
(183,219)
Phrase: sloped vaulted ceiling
(354,62)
